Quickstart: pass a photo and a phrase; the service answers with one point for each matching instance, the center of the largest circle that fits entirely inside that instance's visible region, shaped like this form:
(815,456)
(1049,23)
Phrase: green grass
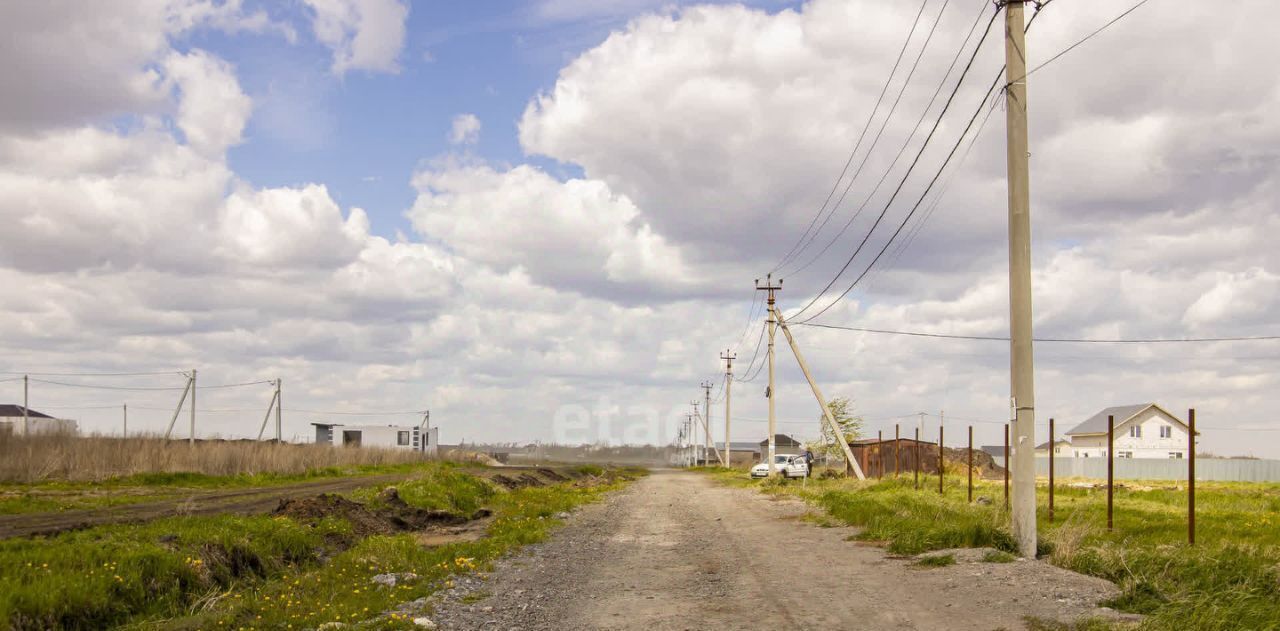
(1229,580)
(937,560)
(998,556)
(56,495)
(262,571)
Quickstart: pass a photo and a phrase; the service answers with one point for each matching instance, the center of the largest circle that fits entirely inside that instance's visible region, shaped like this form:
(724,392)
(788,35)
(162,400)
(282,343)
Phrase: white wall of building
(408,437)
(1149,443)
(14,425)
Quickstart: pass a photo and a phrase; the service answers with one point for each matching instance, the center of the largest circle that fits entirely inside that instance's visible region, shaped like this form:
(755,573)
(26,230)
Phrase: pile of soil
(518,482)
(392,516)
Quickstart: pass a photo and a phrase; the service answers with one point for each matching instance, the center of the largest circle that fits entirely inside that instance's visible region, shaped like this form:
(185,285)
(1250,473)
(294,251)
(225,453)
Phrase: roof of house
(1045,444)
(781,439)
(8,409)
(1097,424)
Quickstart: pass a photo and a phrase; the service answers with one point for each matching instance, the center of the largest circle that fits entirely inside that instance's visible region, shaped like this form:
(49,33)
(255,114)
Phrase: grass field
(59,495)
(69,458)
(269,572)
(1229,580)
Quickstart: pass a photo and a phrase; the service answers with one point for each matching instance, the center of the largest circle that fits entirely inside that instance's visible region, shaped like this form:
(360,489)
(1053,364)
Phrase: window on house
(1125,454)
(1135,431)
(1057,450)
(402,438)
(1176,455)
(1166,431)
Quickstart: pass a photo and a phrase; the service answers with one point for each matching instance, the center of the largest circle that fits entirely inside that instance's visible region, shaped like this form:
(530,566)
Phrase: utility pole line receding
(728,399)
(697,444)
(1021,352)
(771,392)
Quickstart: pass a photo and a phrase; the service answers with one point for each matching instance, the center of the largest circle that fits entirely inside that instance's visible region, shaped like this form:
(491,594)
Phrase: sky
(543,220)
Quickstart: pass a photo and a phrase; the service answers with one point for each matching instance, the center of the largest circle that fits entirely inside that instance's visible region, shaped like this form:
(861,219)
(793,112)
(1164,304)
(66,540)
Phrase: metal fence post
(970,464)
(917,458)
(1111,468)
(1007,463)
(941,459)
(1191,479)
(1053,449)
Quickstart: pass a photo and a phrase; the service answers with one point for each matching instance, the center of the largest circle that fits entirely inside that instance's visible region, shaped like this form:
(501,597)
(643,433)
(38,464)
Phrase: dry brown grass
(86,458)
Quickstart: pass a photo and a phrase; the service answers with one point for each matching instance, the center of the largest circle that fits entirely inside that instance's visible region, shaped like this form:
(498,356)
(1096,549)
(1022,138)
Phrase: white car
(787,465)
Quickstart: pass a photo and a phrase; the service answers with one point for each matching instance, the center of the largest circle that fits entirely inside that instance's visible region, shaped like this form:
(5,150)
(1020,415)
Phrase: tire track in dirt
(677,551)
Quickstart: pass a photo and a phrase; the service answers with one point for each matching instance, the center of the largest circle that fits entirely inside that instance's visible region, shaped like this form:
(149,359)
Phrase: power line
(237,385)
(94,374)
(992,338)
(1083,40)
(836,185)
(102,387)
(903,181)
(906,143)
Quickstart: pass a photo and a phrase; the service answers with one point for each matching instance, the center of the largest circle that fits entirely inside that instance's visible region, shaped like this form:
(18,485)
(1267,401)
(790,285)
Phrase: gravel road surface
(677,551)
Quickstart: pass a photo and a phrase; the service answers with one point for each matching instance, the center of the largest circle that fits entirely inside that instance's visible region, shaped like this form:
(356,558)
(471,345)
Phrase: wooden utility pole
(1021,356)
(728,399)
(822,401)
(706,419)
(773,330)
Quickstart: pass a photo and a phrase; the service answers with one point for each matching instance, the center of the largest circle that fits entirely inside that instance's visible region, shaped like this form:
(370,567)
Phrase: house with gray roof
(1143,430)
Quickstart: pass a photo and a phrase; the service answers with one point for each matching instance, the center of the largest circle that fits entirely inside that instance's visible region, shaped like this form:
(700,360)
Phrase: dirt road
(677,551)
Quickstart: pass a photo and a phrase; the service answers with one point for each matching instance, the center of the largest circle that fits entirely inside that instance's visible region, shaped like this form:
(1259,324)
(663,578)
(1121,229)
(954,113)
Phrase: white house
(1061,449)
(410,437)
(11,422)
(1145,430)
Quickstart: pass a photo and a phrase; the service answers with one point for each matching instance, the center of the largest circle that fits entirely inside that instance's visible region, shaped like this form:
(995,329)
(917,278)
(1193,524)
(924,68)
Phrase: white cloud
(364,34)
(212,109)
(576,234)
(465,130)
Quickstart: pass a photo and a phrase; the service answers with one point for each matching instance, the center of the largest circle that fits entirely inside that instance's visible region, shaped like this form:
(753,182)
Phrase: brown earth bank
(677,551)
(260,500)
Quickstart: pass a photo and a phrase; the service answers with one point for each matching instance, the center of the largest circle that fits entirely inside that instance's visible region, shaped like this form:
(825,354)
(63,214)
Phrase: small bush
(998,556)
(937,560)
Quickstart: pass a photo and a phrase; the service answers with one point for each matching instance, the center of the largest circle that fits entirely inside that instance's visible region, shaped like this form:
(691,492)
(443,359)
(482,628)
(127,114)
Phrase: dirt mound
(518,482)
(393,516)
(553,475)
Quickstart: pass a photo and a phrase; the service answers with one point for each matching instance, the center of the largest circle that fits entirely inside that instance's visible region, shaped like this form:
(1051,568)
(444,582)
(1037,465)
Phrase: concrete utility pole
(26,418)
(279,404)
(728,399)
(124,429)
(706,419)
(1021,356)
(773,330)
(822,401)
(189,390)
(192,439)
(697,446)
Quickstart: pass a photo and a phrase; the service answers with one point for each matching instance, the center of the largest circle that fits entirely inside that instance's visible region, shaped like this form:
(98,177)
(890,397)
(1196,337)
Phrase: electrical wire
(903,181)
(836,185)
(992,338)
(876,141)
(1081,41)
(906,143)
(94,374)
(102,387)
(238,385)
